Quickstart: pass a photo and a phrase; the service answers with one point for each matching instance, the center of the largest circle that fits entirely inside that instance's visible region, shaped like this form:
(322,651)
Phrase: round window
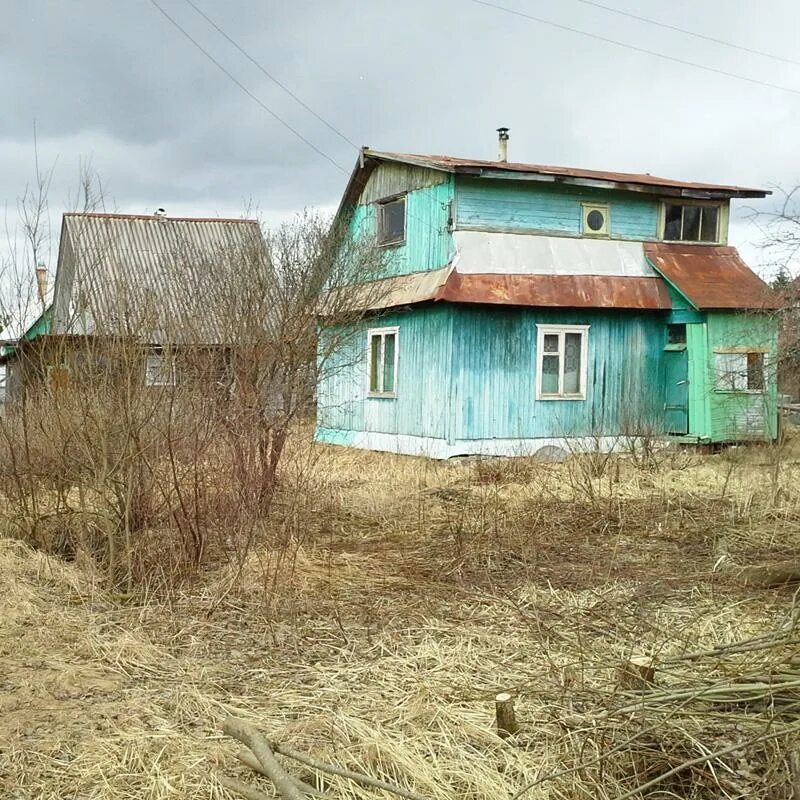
(595,220)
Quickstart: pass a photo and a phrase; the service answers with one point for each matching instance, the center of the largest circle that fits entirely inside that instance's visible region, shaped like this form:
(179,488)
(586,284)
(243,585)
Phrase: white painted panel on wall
(526,254)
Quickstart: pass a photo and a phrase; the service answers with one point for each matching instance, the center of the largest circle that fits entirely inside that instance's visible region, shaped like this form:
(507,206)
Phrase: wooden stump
(504,713)
(638,672)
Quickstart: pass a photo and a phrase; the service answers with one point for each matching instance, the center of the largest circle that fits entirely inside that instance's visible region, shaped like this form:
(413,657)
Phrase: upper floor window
(595,219)
(685,222)
(561,362)
(392,221)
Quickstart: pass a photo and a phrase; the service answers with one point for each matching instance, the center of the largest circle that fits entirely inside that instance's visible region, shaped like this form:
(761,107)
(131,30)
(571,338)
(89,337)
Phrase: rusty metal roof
(564,291)
(710,277)
(624,180)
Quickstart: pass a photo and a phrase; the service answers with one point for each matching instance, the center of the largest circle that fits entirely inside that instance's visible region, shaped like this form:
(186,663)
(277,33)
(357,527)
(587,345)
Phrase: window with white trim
(739,371)
(561,358)
(382,357)
(159,370)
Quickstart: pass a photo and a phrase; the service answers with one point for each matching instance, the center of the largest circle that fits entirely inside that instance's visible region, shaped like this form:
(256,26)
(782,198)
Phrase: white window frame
(718,239)
(380,206)
(721,375)
(560,331)
(382,333)
(159,359)
(586,209)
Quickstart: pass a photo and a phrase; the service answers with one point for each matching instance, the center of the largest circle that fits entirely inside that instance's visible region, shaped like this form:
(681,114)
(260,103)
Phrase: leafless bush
(149,426)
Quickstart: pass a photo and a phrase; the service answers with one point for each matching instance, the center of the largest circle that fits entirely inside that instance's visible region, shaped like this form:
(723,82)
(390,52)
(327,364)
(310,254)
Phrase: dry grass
(393,599)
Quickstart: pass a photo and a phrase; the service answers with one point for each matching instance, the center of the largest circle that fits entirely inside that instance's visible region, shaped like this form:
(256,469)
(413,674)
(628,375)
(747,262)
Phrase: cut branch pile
(260,757)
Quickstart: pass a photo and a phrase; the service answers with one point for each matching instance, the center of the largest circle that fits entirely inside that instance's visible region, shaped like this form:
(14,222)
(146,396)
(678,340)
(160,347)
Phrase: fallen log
(243,789)
(356,777)
(246,757)
(771,576)
(260,748)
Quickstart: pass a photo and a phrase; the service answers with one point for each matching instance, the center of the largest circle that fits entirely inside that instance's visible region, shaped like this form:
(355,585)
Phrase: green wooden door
(676,390)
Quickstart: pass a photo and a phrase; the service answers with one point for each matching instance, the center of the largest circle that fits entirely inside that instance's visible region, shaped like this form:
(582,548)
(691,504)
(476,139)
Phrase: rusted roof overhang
(638,182)
(711,277)
(560,291)
(563,291)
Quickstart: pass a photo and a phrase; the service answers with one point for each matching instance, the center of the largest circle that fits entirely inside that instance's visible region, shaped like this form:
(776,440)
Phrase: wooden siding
(743,415)
(533,208)
(423,369)
(388,179)
(467,373)
(428,244)
(493,381)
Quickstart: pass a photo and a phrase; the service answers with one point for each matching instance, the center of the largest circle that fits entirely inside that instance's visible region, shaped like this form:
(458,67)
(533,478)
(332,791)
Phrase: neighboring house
(527,306)
(156,281)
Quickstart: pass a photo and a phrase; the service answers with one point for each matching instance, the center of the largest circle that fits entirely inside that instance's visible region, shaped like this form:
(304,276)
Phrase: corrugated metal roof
(160,278)
(562,291)
(710,277)
(399,290)
(472,165)
(555,291)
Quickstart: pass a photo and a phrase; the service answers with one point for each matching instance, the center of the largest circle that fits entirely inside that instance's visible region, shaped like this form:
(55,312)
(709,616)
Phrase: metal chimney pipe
(41,282)
(502,144)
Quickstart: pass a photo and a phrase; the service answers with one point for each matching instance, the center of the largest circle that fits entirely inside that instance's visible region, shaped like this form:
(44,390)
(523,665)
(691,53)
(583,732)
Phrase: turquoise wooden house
(526,306)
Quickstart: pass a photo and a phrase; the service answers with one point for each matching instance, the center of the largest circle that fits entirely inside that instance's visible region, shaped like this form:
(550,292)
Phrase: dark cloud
(118,83)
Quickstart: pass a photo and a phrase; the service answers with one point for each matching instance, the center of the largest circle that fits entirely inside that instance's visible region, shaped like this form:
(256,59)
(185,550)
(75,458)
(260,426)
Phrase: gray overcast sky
(116,83)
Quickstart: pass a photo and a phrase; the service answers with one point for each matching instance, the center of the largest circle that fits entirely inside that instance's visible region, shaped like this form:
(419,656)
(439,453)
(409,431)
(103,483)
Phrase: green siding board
(743,415)
(529,207)
(429,242)
(699,401)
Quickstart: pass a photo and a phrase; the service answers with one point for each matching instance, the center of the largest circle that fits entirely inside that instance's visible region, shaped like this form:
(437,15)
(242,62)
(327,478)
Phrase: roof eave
(721,193)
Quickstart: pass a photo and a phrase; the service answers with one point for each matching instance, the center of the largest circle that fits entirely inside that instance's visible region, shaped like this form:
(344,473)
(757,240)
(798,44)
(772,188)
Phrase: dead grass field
(404,595)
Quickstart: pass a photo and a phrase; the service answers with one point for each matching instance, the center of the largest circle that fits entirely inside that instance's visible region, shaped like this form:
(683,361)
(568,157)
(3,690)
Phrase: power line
(270,75)
(253,97)
(696,35)
(635,48)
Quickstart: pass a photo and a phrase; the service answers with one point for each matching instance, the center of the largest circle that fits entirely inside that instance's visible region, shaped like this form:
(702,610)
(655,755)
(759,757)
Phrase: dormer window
(691,222)
(392,221)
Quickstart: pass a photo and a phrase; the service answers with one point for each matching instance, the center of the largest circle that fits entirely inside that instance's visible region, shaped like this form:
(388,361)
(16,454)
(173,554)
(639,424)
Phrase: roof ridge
(454,163)
(108,215)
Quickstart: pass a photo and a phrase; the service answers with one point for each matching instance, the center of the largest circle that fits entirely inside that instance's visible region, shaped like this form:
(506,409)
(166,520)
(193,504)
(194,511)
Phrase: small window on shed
(595,219)
(740,372)
(159,370)
(676,334)
(392,221)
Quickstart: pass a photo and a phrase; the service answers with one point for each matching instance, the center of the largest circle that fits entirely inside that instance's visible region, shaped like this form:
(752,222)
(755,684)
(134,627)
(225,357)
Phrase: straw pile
(411,594)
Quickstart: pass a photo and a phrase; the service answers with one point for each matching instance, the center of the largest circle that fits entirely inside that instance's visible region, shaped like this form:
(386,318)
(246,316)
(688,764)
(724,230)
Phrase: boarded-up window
(392,221)
(383,355)
(561,364)
(740,372)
